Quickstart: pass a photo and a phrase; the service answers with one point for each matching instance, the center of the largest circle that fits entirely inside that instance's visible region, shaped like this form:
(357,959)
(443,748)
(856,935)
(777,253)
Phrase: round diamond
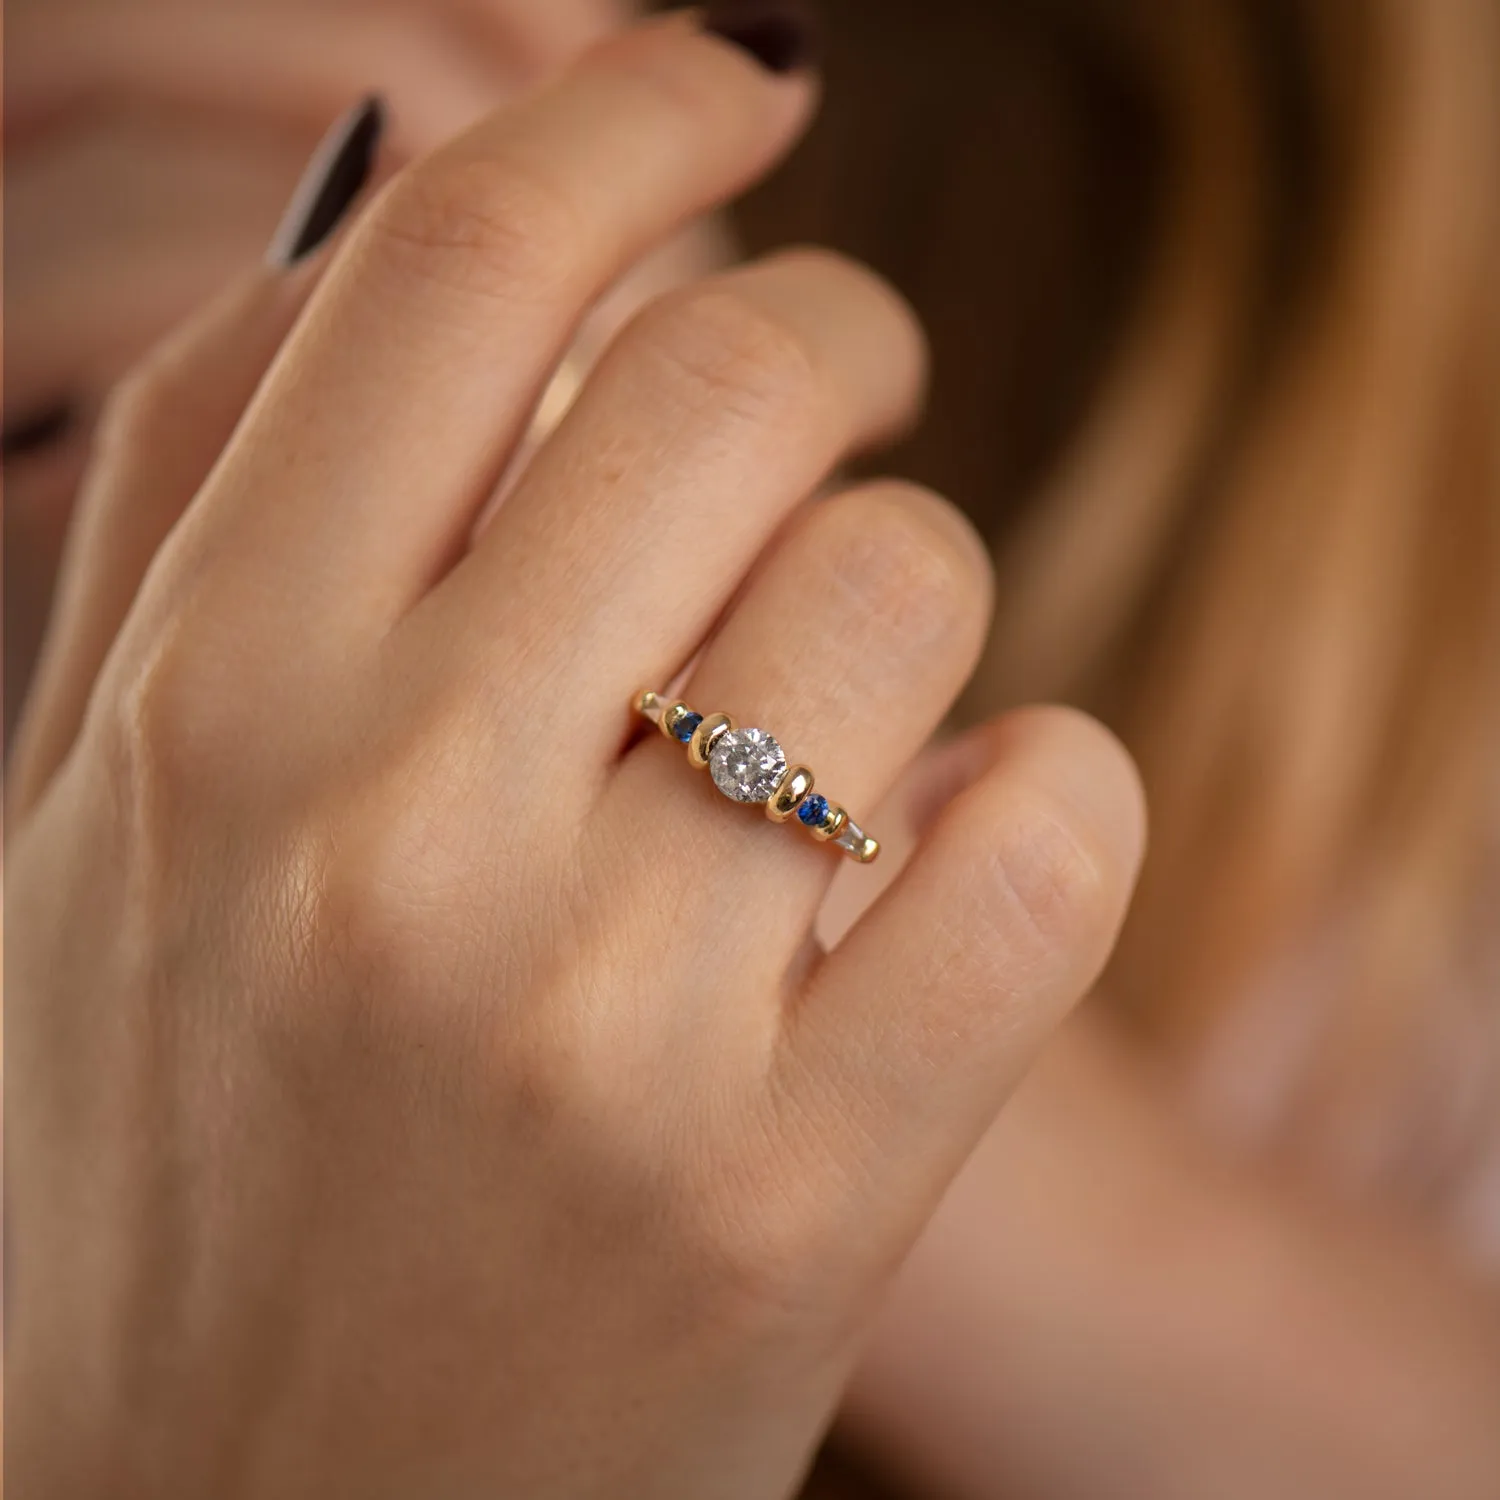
(746,764)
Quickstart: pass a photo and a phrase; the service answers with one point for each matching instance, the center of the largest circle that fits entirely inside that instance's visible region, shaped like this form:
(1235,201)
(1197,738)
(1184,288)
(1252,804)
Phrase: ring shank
(749,766)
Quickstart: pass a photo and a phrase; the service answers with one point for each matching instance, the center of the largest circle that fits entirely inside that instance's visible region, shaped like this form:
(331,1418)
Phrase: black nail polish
(34,431)
(339,169)
(781,35)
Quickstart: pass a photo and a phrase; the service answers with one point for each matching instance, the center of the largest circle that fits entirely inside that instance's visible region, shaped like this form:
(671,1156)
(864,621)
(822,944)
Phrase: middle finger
(384,426)
(719,411)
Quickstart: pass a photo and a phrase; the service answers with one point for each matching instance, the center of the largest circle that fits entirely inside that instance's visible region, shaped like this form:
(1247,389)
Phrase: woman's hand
(148,149)
(418,1087)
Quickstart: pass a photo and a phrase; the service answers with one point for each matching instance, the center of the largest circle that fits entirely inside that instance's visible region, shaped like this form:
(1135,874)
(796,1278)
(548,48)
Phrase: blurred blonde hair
(1265,544)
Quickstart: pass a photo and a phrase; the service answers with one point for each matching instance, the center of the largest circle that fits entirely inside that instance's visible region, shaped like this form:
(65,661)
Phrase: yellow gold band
(749,766)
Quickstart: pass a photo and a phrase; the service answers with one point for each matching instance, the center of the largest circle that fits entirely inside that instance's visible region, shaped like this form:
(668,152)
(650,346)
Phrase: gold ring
(749,766)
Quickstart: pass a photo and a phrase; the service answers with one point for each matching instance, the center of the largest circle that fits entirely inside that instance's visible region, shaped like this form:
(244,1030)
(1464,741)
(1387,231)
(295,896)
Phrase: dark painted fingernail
(34,431)
(781,35)
(339,169)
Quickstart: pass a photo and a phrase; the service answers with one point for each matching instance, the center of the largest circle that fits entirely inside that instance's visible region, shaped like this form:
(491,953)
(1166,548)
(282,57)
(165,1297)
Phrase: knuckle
(378,942)
(394,899)
(414,881)
(142,404)
(488,225)
(754,1258)
(764,1212)
(905,556)
(1058,900)
(182,705)
(720,351)
(164,737)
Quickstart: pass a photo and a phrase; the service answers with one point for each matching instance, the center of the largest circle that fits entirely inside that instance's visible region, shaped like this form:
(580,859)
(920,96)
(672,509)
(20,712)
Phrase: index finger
(383,428)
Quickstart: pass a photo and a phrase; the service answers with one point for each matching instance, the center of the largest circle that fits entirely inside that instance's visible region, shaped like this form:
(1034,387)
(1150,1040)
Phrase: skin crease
(150,148)
(381,956)
(984,1421)
(1107,1303)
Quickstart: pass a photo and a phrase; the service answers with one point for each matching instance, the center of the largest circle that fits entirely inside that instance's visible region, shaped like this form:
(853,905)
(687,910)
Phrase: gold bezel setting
(791,791)
(706,734)
(752,769)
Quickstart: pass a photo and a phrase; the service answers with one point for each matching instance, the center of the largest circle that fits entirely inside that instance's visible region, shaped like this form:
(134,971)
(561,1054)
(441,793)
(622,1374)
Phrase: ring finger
(849,646)
(712,419)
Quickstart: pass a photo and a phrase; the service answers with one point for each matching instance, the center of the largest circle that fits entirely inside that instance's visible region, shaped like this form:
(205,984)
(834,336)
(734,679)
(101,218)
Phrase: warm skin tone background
(1092,1160)
(290,1216)
(1200,281)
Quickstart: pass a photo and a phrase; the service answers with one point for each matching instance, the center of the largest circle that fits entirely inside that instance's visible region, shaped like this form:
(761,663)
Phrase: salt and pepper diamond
(747,765)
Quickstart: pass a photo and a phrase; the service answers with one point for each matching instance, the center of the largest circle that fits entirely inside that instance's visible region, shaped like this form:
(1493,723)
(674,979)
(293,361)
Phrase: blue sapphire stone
(686,725)
(814,811)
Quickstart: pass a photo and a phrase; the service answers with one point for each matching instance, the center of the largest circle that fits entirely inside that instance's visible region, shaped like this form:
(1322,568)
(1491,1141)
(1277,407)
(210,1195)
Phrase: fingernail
(781,35)
(39,429)
(339,169)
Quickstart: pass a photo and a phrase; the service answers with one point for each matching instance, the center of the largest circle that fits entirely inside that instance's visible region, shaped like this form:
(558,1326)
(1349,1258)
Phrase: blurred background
(1214,294)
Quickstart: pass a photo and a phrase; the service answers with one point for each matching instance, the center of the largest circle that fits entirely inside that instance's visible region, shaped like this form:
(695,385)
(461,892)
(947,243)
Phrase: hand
(1109,1304)
(418,1086)
(149,147)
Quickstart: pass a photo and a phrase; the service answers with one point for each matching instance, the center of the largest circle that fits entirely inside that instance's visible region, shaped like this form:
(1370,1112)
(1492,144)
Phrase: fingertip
(782,36)
(680,56)
(882,343)
(904,340)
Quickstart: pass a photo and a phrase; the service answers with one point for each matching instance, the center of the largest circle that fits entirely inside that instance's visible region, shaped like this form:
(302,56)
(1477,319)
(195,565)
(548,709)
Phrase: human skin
(418,1085)
(149,148)
(978,1395)
(1111,1301)
(1107,1305)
